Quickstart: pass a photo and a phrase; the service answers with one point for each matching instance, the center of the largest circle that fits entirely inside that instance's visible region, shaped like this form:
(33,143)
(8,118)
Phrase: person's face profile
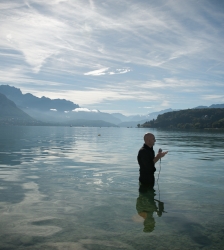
(151,140)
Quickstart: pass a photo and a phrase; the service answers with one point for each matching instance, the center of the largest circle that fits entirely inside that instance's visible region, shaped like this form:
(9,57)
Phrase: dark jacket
(146,163)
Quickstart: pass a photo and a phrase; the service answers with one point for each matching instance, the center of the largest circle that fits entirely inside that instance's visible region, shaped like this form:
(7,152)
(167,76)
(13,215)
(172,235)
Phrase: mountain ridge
(10,114)
(34,102)
(52,110)
(62,111)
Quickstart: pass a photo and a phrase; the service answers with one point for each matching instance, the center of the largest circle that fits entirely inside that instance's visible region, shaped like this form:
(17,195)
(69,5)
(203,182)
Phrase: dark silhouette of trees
(189,119)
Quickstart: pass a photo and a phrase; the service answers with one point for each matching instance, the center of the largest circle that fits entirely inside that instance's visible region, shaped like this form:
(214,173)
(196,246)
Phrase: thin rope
(158,178)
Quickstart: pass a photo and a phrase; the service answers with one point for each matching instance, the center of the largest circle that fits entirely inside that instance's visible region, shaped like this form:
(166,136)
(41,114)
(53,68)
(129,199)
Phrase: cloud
(105,71)
(14,74)
(92,5)
(213,97)
(85,110)
(53,109)
(97,72)
(165,104)
(75,31)
(20,76)
(178,84)
(91,96)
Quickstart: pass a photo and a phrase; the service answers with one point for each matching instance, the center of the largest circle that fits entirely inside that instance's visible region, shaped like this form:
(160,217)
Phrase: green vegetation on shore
(189,119)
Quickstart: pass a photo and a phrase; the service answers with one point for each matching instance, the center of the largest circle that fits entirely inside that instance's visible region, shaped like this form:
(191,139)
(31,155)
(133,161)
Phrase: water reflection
(146,205)
(69,188)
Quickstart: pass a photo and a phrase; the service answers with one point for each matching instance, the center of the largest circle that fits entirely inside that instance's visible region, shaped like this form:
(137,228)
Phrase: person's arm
(159,156)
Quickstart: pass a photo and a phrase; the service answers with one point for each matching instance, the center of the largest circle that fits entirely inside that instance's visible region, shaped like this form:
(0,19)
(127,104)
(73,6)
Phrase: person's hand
(162,154)
(159,156)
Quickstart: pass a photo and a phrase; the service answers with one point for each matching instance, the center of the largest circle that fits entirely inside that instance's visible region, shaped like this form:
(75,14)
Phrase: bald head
(149,139)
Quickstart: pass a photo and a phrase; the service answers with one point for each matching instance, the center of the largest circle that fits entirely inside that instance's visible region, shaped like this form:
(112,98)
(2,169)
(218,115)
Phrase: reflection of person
(146,161)
(146,206)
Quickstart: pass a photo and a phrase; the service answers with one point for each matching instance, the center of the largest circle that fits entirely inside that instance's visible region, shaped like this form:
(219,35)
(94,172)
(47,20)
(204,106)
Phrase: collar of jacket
(147,147)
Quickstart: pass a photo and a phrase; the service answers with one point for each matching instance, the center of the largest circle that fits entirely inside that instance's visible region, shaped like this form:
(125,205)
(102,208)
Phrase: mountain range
(11,114)
(62,111)
(213,106)
(56,110)
(29,101)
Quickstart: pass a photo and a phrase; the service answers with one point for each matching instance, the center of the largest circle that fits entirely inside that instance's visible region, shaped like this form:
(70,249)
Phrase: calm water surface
(77,188)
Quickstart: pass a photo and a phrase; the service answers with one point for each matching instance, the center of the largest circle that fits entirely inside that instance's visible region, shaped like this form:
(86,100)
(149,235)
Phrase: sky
(130,56)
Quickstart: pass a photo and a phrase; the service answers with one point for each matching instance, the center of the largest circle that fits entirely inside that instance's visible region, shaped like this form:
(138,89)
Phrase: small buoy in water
(99,134)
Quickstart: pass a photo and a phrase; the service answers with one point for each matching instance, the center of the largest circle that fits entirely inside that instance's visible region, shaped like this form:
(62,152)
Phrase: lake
(77,188)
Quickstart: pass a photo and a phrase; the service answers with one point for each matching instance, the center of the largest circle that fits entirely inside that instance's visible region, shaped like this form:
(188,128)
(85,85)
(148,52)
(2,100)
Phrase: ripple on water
(64,184)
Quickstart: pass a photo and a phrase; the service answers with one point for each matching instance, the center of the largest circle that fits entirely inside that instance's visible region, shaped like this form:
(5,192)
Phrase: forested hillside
(190,118)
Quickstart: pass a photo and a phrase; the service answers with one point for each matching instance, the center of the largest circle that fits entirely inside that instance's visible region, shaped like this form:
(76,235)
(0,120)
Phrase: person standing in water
(146,160)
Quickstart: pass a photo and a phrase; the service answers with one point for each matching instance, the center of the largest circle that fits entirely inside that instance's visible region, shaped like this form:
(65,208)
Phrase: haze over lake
(77,188)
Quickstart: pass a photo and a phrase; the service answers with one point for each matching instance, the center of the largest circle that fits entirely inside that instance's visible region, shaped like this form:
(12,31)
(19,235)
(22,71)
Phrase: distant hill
(148,116)
(201,107)
(213,106)
(134,120)
(11,114)
(120,116)
(30,101)
(190,118)
(69,116)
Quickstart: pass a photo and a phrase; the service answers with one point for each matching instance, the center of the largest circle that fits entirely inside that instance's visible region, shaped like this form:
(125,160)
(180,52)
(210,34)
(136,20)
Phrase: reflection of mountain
(11,114)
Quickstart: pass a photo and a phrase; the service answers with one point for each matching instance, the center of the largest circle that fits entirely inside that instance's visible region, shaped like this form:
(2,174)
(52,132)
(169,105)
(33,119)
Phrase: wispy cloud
(107,71)
(214,97)
(93,52)
(165,104)
(97,72)
(77,30)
